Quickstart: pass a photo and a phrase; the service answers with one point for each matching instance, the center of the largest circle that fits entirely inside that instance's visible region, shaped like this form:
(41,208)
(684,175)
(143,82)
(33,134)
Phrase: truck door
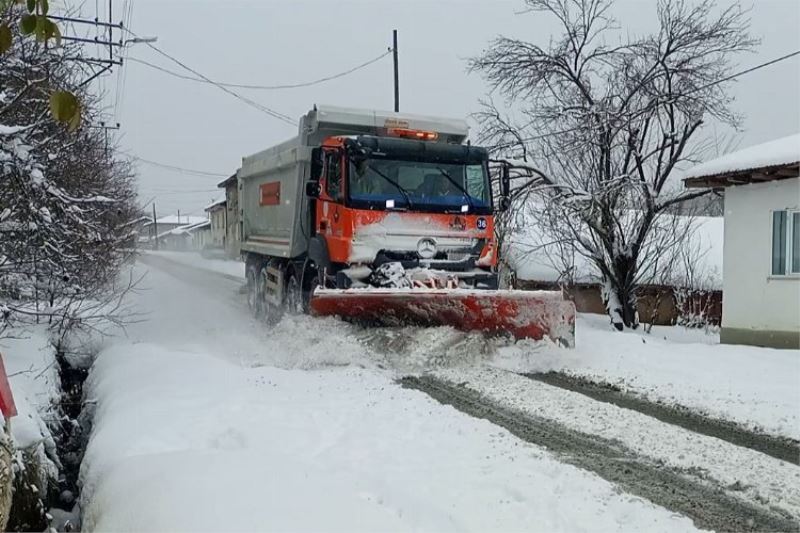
(330,207)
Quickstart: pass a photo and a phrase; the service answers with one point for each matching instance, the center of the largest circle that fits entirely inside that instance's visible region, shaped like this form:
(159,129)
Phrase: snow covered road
(304,427)
(196,428)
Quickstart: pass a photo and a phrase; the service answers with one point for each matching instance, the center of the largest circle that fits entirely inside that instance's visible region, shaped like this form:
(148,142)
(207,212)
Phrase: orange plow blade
(523,314)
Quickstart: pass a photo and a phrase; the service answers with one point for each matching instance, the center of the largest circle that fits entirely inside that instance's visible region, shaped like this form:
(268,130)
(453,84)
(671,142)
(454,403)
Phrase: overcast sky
(270,42)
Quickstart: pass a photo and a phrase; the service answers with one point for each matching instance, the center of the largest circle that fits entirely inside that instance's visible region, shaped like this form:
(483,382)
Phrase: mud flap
(522,314)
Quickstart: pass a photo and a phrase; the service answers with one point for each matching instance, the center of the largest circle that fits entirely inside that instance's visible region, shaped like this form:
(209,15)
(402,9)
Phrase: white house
(761,265)
(217,213)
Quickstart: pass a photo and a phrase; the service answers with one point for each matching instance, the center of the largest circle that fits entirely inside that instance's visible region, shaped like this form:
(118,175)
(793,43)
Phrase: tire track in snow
(706,503)
(784,449)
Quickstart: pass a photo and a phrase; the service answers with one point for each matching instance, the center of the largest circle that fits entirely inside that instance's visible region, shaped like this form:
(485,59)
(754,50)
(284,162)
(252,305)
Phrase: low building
(233,235)
(186,238)
(168,223)
(761,275)
(218,215)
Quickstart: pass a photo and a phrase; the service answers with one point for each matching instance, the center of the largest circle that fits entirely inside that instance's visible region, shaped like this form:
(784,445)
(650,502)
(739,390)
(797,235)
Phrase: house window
(785,243)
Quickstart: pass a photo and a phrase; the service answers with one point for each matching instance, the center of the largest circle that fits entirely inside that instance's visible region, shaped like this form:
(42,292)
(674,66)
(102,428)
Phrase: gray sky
(271,42)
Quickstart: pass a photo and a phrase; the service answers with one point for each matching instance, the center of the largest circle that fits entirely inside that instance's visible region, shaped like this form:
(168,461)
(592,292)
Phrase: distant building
(167,223)
(185,238)
(761,274)
(218,215)
(233,230)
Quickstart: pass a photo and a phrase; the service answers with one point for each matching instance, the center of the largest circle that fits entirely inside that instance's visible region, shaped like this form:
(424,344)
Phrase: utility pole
(179,216)
(155,228)
(103,126)
(396,74)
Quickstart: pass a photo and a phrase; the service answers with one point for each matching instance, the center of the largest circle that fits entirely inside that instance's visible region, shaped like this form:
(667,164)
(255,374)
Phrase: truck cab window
(333,175)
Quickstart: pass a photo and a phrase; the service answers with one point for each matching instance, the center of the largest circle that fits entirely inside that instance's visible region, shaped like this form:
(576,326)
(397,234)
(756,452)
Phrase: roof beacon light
(413,134)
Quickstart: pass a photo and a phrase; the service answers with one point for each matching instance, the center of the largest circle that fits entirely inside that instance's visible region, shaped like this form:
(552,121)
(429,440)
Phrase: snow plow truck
(387,219)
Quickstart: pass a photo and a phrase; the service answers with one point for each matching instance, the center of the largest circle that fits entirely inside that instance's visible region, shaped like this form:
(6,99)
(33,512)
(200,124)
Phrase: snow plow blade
(523,314)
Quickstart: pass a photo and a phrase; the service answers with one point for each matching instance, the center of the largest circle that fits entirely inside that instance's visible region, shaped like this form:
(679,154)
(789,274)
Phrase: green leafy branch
(64,105)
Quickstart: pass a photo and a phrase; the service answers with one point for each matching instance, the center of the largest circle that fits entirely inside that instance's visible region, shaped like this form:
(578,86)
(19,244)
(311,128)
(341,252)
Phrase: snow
(533,262)
(785,150)
(215,203)
(12,130)
(29,359)
(765,478)
(228,267)
(186,220)
(757,387)
(206,406)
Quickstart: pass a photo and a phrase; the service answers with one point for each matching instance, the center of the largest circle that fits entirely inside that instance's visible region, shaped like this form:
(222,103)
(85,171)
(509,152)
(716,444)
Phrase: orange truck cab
(406,201)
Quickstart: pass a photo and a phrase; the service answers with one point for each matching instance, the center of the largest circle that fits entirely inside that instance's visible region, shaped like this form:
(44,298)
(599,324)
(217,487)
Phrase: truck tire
(272,314)
(254,299)
(295,304)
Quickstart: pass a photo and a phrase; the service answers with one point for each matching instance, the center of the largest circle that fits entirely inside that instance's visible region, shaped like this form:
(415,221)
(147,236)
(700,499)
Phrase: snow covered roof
(772,160)
(535,262)
(215,204)
(224,183)
(188,229)
(183,219)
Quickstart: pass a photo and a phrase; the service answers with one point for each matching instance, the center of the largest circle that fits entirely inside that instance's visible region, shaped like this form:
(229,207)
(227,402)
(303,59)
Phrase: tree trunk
(619,294)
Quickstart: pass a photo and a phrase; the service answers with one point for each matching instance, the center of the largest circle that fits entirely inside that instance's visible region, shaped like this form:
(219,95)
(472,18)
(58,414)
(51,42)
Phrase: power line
(746,71)
(182,170)
(713,83)
(264,109)
(264,87)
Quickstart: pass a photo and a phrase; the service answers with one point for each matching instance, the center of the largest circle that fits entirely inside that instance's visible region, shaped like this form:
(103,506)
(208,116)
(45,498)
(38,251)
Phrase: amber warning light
(413,134)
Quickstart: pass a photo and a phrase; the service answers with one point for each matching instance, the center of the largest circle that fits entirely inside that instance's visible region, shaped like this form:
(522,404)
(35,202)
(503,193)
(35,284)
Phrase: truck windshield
(419,185)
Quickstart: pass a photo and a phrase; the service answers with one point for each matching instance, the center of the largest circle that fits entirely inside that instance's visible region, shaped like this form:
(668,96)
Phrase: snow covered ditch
(46,431)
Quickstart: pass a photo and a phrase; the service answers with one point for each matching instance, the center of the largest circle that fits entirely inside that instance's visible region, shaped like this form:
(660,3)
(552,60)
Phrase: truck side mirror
(505,188)
(313,189)
(316,164)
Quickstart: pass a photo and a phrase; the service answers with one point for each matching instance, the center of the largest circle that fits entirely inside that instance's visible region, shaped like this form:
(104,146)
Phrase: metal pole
(396,74)
(155,227)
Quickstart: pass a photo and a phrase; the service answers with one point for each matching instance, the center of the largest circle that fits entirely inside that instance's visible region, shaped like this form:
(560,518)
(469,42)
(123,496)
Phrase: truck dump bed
(274,207)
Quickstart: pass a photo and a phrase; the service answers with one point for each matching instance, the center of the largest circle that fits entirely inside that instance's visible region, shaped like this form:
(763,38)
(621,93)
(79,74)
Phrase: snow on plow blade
(523,314)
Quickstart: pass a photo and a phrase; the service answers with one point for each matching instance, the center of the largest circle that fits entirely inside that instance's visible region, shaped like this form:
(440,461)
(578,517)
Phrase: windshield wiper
(396,185)
(459,186)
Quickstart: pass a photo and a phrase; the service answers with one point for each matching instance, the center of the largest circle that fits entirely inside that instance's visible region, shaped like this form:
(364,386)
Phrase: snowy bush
(66,203)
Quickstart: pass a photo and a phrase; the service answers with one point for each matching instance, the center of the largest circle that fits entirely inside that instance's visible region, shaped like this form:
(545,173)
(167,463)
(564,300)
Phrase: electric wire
(264,109)
(696,89)
(179,169)
(263,87)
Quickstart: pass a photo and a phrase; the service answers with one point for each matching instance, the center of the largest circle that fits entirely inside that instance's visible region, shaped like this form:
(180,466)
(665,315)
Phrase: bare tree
(603,127)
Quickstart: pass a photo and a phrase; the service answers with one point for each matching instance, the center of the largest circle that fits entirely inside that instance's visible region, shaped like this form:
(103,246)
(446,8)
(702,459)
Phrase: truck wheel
(254,299)
(272,314)
(294,295)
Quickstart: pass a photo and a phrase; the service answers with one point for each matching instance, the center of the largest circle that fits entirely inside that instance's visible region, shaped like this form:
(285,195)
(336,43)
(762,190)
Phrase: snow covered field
(196,425)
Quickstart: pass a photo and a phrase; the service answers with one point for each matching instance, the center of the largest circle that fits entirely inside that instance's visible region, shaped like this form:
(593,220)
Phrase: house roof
(226,182)
(534,258)
(188,229)
(774,160)
(217,204)
(184,220)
